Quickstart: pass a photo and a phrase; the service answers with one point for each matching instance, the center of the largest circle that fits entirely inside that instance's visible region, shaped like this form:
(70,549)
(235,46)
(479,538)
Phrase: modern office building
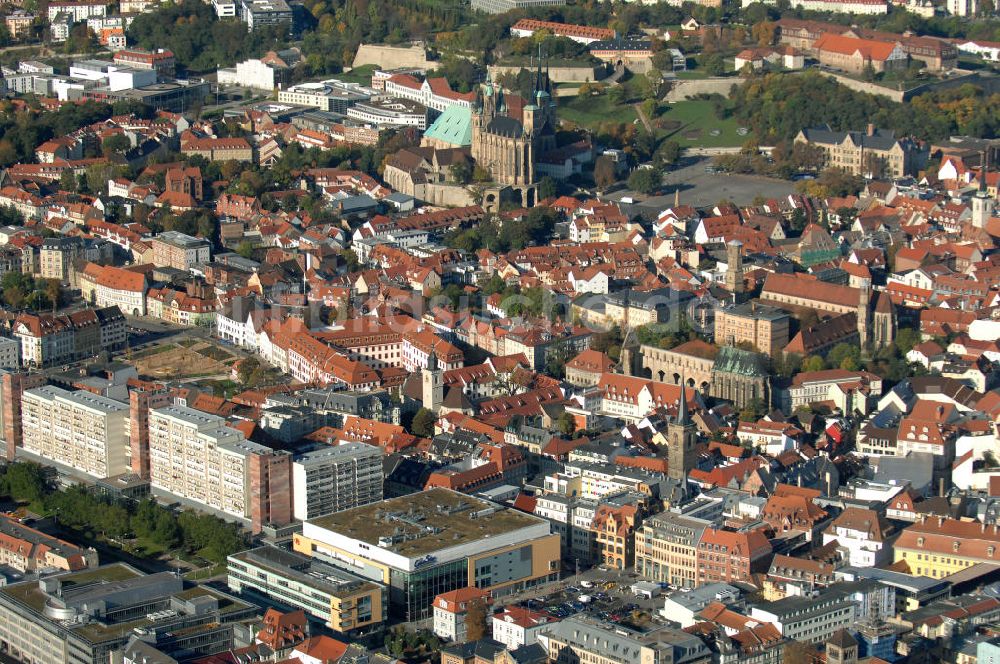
(78,431)
(427,543)
(83,617)
(333,479)
(257,13)
(329,95)
(344,602)
(195,457)
(504,6)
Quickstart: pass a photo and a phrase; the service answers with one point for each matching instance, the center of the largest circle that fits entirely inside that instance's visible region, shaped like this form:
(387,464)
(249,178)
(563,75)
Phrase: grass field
(699,125)
(362,75)
(590,111)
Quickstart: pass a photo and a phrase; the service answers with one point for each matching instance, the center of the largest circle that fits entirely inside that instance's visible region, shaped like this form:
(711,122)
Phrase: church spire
(984,169)
(682,407)
(538,72)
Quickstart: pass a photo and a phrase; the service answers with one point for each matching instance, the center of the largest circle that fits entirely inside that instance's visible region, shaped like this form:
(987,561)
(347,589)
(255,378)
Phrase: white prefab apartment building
(196,457)
(82,431)
(333,479)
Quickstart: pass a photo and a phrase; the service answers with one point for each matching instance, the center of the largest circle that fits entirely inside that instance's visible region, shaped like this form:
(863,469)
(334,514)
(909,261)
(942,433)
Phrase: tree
(715,65)
(669,152)
(245,249)
(796,652)
(53,292)
(605,173)
(906,339)
(844,356)
(116,144)
(423,423)
(645,180)
(460,172)
(25,481)
(813,363)
(764,33)
(566,424)
(481,174)
(475,620)
(248,369)
(547,188)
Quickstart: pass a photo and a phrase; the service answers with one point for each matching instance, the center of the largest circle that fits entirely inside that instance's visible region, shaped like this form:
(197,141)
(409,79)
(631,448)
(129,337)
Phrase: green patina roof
(454,126)
(741,362)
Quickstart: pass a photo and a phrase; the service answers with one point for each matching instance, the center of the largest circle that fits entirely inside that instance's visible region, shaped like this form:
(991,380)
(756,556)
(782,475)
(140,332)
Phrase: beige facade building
(55,260)
(180,251)
(195,456)
(666,549)
(765,328)
(875,153)
(84,432)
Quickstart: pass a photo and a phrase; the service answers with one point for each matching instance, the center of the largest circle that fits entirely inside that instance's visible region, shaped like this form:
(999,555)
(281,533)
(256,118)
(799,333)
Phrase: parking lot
(606,594)
(700,188)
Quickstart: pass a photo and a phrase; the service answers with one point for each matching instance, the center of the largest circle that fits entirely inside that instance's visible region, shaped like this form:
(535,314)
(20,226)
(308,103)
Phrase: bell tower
(864,333)
(681,439)
(734,270)
(982,205)
(432,384)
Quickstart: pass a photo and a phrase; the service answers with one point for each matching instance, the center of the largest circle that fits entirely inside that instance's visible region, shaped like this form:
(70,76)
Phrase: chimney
(871,129)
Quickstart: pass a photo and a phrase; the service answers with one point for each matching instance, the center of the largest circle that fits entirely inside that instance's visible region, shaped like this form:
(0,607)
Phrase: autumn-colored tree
(764,33)
(604,172)
(475,620)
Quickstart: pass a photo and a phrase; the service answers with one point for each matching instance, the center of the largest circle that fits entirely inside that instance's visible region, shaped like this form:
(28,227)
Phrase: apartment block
(195,457)
(79,430)
(333,479)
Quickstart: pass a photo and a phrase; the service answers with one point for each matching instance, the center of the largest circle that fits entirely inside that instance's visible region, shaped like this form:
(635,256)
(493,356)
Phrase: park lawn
(692,74)
(362,75)
(592,110)
(699,115)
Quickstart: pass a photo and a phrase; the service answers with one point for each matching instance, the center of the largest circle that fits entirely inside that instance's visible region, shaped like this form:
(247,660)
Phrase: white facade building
(79,430)
(195,456)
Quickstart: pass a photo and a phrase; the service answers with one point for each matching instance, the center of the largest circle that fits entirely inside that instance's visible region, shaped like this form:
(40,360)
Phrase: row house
(47,339)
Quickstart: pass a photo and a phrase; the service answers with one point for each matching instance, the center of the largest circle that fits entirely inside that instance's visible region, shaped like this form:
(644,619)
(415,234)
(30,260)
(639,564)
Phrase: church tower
(433,384)
(883,322)
(982,205)
(864,301)
(681,439)
(734,270)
